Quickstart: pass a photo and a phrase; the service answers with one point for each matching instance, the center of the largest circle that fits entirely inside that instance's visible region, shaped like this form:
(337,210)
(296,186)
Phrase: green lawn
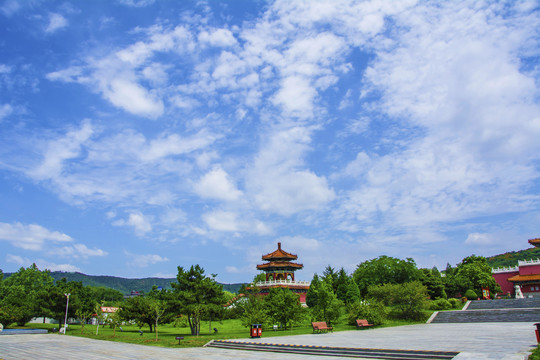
(227,329)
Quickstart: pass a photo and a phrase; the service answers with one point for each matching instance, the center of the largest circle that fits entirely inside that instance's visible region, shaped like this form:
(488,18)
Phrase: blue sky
(139,135)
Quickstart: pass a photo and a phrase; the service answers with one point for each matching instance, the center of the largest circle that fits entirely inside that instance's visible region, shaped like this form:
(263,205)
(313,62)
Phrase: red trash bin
(256,330)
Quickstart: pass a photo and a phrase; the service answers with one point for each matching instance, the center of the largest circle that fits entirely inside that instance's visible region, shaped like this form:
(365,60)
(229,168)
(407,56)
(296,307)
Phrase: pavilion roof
(279,254)
(279,264)
(534,242)
(519,278)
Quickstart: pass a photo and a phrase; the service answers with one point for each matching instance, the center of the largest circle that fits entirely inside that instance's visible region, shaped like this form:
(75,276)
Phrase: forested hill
(510,259)
(125,286)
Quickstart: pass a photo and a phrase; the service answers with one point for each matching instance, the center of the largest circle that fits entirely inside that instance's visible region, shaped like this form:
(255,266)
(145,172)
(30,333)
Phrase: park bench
(321,327)
(362,323)
(179,338)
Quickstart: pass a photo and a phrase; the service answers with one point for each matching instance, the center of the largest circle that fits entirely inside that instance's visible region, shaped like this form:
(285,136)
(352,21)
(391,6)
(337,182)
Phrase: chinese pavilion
(279,268)
(521,280)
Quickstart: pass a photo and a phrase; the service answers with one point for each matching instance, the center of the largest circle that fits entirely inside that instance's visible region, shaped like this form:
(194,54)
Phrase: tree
(114,320)
(432,280)
(107,295)
(372,310)
(157,309)
(84,305)
(384,270)
(353,293)
(311,297)
(138,309)
(475,273)
(328,306)
(409,300)
(100,317)
(21,295)
(195,294)
(283,306)
(54,301)
(330,277)
(341,285)
(253,309)
(260,277)
(451,285)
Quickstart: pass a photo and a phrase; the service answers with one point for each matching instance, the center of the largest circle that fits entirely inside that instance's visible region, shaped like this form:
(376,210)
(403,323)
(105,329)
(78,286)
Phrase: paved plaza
(504,341)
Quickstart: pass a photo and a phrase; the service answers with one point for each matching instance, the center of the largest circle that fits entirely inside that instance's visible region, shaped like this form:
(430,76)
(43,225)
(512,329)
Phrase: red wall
(529,269)
(502,280)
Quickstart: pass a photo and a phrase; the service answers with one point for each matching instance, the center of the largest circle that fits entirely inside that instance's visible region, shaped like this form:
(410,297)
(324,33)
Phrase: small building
(280,270)
(105,311)
(525,276)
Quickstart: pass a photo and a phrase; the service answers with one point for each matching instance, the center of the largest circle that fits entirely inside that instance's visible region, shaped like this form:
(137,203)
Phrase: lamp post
(65,319)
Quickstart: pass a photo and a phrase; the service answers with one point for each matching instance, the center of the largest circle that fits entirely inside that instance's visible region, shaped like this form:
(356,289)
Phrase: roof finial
(279,246)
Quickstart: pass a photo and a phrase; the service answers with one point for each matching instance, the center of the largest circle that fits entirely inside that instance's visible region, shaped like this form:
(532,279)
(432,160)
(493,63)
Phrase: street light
(65,319)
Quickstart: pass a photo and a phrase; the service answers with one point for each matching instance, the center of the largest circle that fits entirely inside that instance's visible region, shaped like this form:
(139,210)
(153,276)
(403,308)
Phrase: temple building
(522,280)
(279,269)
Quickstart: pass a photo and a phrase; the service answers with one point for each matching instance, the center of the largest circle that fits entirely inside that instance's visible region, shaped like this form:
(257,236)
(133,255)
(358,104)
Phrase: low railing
(529,262)
(504,269)
(282,282)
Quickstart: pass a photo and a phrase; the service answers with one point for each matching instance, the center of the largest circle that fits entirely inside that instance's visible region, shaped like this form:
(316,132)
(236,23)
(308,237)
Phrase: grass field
(227,329)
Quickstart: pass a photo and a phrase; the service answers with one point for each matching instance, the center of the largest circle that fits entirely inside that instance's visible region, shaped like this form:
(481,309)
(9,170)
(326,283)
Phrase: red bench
(321,327)
(361,323)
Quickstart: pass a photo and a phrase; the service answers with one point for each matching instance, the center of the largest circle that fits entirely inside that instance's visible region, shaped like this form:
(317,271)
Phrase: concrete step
(334,351)
(504,304)
(497,315)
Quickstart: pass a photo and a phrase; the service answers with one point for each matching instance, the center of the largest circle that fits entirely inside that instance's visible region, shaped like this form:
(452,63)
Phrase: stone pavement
(474,341)
(504,341)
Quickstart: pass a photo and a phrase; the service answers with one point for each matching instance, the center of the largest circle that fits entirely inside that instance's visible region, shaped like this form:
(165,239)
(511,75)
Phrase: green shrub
(372,310)
(471,295)
(454,302)
(440,304)
(535,354)
(408,300)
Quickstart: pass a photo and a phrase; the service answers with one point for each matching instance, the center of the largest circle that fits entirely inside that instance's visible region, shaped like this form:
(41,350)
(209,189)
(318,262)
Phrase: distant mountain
(125,286)
(511,258)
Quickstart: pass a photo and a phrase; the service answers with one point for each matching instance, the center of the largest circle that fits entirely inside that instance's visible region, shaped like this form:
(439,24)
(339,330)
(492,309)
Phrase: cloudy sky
(139,135)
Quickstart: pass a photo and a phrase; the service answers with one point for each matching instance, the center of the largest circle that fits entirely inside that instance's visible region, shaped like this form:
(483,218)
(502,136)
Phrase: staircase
(504,310)
(505,304)
(334,351)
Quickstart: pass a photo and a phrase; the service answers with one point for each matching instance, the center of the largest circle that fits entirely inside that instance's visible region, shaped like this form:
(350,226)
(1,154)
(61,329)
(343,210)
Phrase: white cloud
(236,270)
(176,145)
(19,260)
(222,221)
(140,223)
(136,3)
(467,122)
(230,221)
(138,260)
(41,264)
(77,251)
(132,97)
(4,69)
(5,111)
(300,244)
(59,151)
(218,37)
(58,267)
(86,164)
(30,237)
(296,96)
(279,182)
(216,184)
(10,7)
(56,22)
(119,75)
(479,239)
